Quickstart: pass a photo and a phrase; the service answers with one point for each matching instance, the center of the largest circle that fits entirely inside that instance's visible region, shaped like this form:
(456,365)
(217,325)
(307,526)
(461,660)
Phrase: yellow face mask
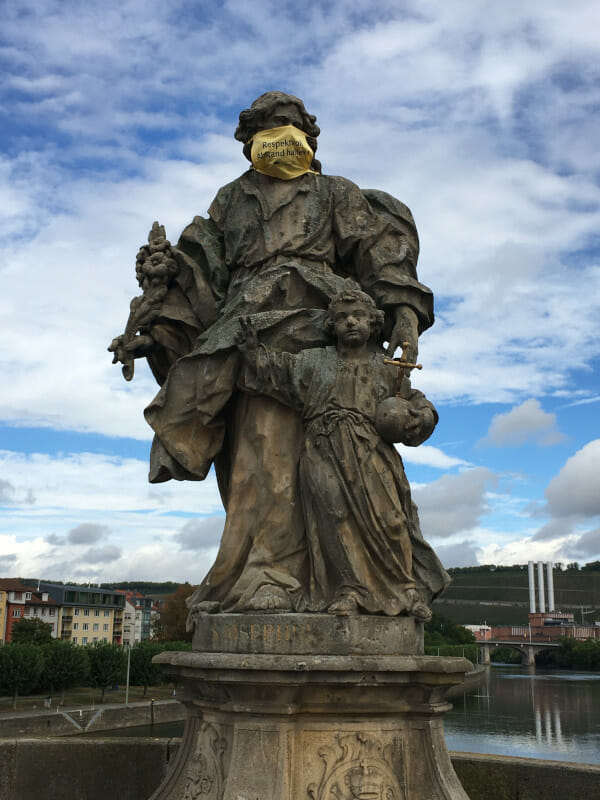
(281,152)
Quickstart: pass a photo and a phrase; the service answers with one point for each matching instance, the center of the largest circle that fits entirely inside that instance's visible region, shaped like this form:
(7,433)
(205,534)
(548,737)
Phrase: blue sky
(482,117)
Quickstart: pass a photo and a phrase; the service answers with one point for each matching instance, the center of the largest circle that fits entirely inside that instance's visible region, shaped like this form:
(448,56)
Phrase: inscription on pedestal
(299,634)
(267,633)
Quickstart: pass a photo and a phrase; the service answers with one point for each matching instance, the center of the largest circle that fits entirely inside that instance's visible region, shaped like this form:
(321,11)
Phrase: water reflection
(535,714)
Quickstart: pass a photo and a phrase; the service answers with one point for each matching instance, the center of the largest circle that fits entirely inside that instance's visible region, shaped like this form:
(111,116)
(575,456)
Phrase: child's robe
(362,526)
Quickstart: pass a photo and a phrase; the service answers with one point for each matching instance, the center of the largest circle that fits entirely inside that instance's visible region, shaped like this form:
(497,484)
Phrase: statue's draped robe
(276,251)
(362,527)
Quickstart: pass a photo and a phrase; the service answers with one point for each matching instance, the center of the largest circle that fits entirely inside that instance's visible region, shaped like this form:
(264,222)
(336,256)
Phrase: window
(86,612)
(76,612)
(17,612)
(95,639)
(107,613)
(45,597)
(97,612)
(51,611)
(84,640)
(74,640)
(75,626)
(105,626)
(96,626)
(43,612)
(27,595)
(86,626)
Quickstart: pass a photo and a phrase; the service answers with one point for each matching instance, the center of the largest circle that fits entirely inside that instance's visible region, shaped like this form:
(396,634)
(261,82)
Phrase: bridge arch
(527,650)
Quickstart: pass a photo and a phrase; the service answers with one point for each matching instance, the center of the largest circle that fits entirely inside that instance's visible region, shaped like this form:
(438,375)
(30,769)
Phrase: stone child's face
(352,324)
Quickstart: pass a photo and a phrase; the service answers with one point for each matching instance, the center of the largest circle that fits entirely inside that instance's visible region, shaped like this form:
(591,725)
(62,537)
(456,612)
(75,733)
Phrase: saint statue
(259,275)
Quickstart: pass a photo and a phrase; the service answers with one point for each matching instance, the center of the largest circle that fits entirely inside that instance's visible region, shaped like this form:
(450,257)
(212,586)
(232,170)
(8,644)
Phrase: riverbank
(131,769)
(78,720)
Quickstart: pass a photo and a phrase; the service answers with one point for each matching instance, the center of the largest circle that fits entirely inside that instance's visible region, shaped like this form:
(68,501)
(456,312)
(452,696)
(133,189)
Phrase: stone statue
(281,241)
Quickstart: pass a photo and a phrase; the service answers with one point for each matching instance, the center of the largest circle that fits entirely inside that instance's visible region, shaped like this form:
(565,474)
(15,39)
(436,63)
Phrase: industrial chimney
(550,577)
(531,572)
(541,594)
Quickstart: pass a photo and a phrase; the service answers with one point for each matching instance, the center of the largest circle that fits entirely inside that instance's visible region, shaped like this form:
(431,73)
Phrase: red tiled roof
(12,585)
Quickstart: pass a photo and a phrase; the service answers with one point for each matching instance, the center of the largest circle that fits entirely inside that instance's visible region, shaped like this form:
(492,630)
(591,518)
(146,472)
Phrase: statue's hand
(139,346)
(246,337)
(406,329)
(124,350)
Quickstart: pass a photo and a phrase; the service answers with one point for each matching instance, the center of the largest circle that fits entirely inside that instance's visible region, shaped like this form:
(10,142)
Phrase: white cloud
(586,546)
(428,456)
(200,534)
(90,499)
(83,483)
(458,554)
(527,422)
(86,533)
(102,555)
(453,504)
(574,491)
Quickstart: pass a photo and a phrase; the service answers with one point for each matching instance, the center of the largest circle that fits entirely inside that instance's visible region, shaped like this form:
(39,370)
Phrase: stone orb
(390,419)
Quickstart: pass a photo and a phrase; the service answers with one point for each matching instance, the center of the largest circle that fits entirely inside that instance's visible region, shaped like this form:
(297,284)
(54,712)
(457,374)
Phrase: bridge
(526,649)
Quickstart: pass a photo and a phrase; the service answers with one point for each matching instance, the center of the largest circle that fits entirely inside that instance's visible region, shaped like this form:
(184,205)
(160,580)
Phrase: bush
(21,668)
(107,665)
(440,630)
(142,671)
(65,666)
(33,631)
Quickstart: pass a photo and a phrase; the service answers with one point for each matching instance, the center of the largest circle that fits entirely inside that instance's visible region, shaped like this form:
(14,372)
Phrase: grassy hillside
(501,595)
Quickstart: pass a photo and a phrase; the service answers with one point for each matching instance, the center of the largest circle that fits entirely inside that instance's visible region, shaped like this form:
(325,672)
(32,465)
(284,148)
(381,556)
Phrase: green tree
(591,566)
(21,667)
(441,630)
(33,631)
(107,665)
(65,666)
(142,671)
(173,615)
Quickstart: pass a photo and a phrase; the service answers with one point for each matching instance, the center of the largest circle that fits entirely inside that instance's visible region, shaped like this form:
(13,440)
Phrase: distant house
(138,615)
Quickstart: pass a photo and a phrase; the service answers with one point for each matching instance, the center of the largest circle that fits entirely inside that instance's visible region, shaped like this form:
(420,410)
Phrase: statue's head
(348,298)
(272,110)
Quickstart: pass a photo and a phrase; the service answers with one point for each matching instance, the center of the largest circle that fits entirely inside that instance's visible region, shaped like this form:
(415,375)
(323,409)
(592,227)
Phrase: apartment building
(24,601)
(89,614)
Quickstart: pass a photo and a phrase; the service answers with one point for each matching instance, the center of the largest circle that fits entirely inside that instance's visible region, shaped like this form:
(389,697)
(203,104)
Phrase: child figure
(366,551)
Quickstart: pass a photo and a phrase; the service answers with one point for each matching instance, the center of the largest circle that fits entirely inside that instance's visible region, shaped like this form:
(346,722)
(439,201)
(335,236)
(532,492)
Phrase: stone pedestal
(281,713)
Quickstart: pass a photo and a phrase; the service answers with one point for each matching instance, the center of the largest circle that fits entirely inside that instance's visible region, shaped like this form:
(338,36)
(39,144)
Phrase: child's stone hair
(377,317)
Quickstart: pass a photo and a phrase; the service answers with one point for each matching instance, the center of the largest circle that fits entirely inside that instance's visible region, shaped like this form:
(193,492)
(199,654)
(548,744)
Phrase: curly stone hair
(376,319)
(251,121)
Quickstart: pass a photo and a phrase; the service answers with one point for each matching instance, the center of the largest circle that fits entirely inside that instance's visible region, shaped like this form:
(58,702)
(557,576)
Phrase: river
(529,712)
(516,711)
